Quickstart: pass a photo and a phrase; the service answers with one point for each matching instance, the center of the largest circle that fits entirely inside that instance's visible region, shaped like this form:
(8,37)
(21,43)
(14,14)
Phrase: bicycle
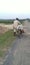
(20,33)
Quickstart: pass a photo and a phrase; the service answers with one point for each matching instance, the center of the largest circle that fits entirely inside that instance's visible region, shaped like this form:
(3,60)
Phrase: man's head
(17,19)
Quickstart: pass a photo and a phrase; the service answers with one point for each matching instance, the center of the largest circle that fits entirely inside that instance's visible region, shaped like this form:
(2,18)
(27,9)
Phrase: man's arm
(19,23)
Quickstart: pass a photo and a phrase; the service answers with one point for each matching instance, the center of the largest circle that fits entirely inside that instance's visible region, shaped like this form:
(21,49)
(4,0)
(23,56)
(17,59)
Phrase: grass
(1,53)
(6,21)
(5,42)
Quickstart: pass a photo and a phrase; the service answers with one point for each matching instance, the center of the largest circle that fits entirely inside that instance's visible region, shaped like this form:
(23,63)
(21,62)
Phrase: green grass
(1,53)
(6,21)
(6,41)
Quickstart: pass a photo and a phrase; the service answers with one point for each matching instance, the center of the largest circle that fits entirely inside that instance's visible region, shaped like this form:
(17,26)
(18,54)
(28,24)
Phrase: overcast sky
(14,8)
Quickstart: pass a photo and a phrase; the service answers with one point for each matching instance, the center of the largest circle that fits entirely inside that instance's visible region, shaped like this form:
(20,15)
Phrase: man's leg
(14,32)
(20,31)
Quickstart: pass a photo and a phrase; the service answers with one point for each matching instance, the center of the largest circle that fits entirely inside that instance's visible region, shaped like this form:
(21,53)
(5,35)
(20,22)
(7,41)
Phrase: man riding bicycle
(17,26)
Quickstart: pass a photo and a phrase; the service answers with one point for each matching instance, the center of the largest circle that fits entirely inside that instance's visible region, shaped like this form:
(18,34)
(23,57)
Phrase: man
(15,24)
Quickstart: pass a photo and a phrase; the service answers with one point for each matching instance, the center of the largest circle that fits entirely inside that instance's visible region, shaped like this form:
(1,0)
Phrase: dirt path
(20,52)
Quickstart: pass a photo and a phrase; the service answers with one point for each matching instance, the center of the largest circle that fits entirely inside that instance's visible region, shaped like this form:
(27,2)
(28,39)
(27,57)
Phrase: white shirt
(15,24)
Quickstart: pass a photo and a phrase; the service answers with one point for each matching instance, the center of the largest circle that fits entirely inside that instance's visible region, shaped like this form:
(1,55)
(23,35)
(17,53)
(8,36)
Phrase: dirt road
(20,52)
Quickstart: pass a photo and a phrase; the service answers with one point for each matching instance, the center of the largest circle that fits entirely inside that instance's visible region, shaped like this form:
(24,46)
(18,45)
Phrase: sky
(10,9)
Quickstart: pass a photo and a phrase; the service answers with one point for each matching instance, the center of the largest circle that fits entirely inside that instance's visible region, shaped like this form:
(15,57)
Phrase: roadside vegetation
(6,40)
(6,21)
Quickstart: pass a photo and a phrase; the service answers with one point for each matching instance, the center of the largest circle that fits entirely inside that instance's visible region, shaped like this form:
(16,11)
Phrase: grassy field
(10,21)
(5,42)
(6,21)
